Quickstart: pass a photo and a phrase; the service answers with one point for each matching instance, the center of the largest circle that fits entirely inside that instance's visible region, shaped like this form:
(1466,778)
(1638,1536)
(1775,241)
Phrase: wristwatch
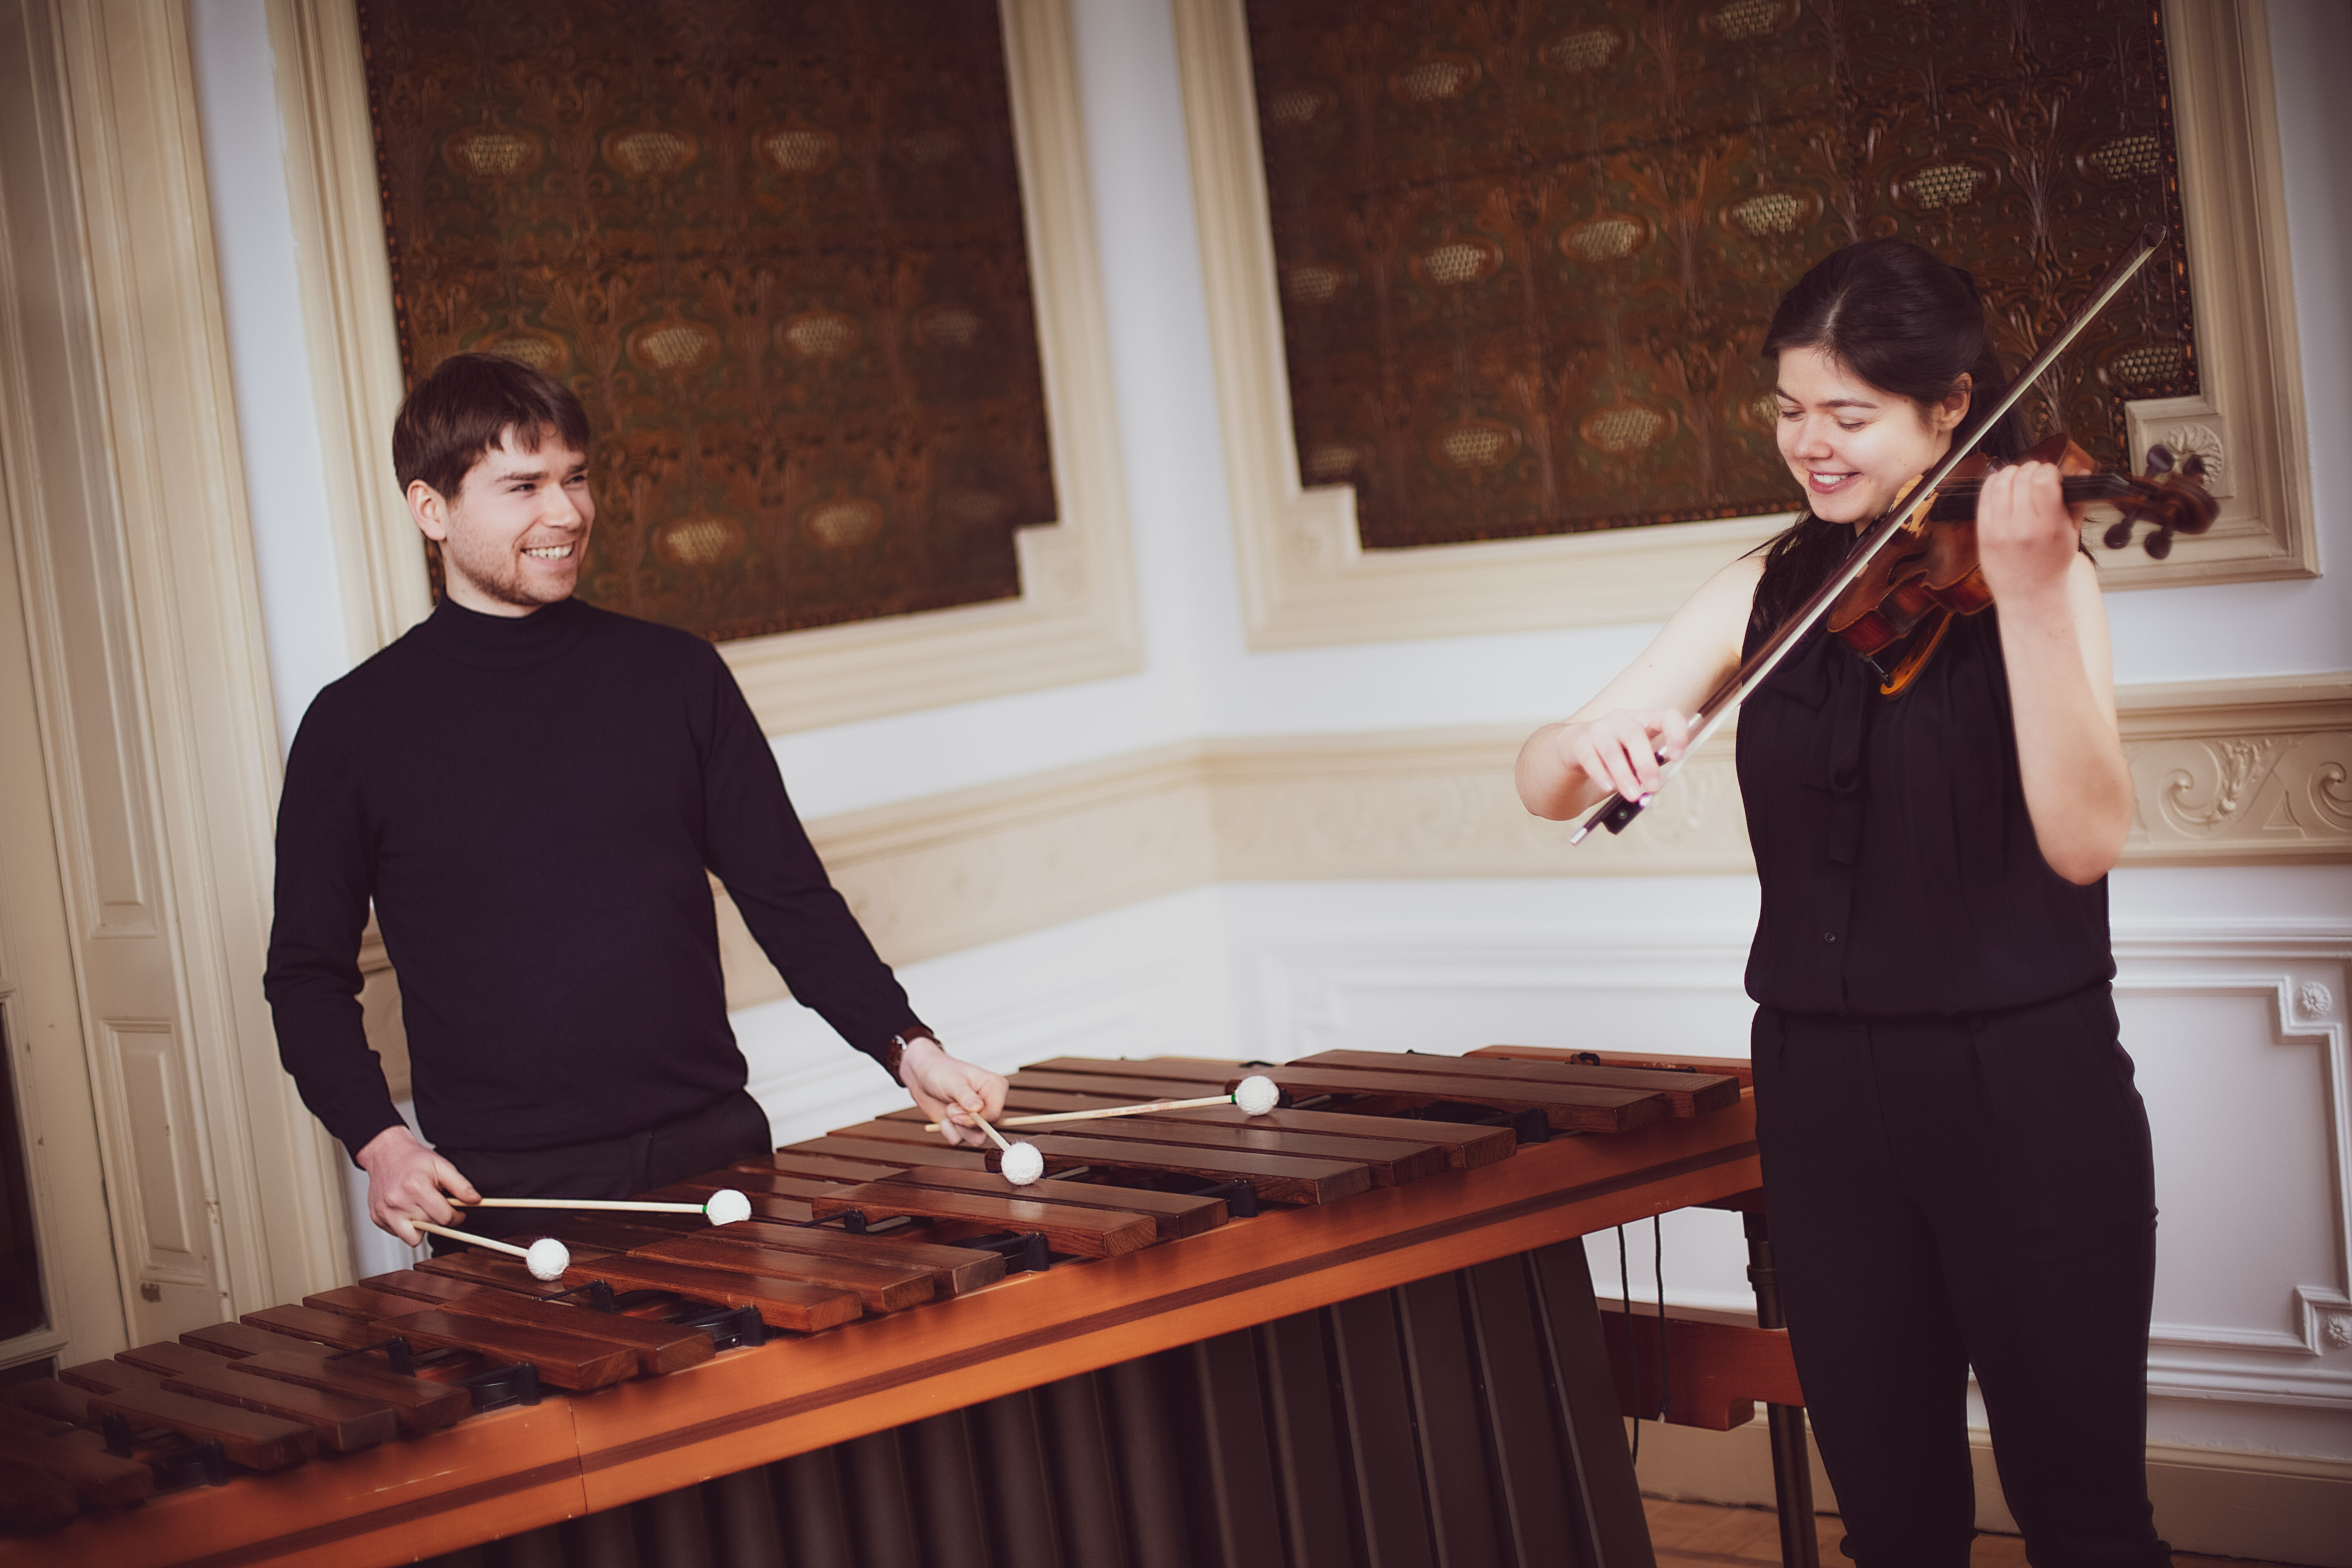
(896,1051)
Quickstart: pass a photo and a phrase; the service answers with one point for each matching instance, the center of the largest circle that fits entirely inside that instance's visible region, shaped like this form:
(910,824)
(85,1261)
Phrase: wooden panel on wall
(1075,620)
(1308,580)
(1528,252)
(779,252)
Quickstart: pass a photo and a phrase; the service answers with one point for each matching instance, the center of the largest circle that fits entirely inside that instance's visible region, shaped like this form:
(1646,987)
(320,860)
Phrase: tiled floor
(1687,1534)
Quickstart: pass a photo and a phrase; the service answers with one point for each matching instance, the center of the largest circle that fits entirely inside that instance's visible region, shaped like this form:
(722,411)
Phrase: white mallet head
(1022,1165)
(1256,1095)
(548,1258)
(726,1206)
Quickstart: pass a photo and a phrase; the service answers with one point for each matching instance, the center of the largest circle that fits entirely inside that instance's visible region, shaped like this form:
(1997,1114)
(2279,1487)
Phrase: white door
(60,1297)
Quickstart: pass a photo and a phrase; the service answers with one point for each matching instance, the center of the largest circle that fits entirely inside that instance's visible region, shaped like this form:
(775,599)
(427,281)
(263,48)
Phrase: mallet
(1254,1094)
(1022,1163)
(547,1258)
(726,1205)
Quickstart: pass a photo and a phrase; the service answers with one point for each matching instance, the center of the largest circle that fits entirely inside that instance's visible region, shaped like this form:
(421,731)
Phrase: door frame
(151,696)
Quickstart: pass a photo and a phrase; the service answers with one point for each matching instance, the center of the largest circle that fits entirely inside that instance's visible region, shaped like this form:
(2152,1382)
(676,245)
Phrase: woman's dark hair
(1907,324)
(459,415)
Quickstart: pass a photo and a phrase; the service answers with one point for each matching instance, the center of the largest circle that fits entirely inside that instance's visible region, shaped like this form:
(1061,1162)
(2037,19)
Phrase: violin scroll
(1894,612)
(2171,496)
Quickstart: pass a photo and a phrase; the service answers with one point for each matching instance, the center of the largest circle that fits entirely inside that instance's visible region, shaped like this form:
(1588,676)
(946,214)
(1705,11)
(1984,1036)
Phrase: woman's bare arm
(1611,745)
(2062,693)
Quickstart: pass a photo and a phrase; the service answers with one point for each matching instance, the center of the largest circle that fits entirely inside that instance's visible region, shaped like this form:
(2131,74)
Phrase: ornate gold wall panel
(1076,618)
(1527,250)
(777,248)
(1309,580)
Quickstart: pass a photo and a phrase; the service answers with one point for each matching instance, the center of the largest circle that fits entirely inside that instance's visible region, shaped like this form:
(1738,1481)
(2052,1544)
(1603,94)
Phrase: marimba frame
(518,1469)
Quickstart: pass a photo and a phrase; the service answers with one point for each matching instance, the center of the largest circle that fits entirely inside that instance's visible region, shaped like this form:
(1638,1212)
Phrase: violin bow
(1616,813)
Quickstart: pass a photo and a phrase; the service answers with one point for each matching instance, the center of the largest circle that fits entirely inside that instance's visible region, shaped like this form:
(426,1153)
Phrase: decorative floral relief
(2244,789)
(2208,797)
(1312,811)
(1310,544)
(2331,793)
(1055,573)
(2196,441)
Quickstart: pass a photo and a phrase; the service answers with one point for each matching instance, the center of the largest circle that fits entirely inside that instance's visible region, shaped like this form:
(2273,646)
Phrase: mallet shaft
(627,1205)
(455,1235)
(1110,1110)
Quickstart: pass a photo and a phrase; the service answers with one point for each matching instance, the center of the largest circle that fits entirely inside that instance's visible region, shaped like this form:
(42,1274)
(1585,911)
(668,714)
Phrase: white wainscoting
(2238,1027)
(2232,986)
(2236,1021)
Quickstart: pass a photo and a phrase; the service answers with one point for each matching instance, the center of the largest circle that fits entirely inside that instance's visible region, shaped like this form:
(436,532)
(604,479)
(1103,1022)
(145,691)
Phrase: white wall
(1200,679)
(2252,1194)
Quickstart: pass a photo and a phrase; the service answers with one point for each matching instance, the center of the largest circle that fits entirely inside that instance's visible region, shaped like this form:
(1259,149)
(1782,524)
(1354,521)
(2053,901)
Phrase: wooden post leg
(1792,1466)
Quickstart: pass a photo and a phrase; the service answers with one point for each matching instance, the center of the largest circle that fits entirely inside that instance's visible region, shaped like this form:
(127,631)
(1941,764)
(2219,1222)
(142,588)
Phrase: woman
(1957,1162)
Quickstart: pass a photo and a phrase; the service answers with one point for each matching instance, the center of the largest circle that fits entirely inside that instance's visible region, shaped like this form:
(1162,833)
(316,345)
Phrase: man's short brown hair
(460,414)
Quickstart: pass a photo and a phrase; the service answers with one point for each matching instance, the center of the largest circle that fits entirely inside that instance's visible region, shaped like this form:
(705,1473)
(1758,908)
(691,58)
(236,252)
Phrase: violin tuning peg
(2158,544)
(2194,467)
(2159,462)
(2118,535)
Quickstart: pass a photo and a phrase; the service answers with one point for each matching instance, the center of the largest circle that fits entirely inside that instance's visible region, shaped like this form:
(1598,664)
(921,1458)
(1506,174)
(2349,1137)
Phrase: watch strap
(894,1053)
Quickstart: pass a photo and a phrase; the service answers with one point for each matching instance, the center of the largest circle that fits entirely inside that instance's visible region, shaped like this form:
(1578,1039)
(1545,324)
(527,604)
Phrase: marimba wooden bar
(1414,1254)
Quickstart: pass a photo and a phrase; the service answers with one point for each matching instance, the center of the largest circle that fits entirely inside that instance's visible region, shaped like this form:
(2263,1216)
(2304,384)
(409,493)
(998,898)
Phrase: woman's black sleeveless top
(1900,873)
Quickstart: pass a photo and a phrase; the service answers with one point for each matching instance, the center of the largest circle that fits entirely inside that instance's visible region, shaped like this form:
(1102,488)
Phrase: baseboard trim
(2281,1507)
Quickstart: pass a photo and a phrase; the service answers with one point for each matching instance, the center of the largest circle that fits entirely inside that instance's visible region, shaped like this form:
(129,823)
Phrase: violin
(1932,567)
(1896,612)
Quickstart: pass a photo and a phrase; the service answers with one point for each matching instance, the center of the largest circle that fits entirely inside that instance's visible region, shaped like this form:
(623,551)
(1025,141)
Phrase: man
(533,791)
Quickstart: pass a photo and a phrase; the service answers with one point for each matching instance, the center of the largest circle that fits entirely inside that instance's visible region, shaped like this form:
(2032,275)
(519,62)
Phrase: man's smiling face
(514,535)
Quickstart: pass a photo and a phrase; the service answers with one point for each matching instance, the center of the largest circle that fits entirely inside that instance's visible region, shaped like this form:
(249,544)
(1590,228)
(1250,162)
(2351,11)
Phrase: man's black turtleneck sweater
(533,803)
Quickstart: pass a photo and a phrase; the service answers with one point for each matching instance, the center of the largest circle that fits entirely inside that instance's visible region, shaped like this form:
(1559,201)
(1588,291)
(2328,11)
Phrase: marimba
(1356,1328)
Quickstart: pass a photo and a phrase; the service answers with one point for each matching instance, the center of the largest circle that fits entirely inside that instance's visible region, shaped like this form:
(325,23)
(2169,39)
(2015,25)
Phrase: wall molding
(2278,1333)
(2305,1363)
(2248,421)
(143,633)
(41,1000)
(1076,617)
(2259,767)
(2253,1341)
(1306,580)
(344,275)
(945,872)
